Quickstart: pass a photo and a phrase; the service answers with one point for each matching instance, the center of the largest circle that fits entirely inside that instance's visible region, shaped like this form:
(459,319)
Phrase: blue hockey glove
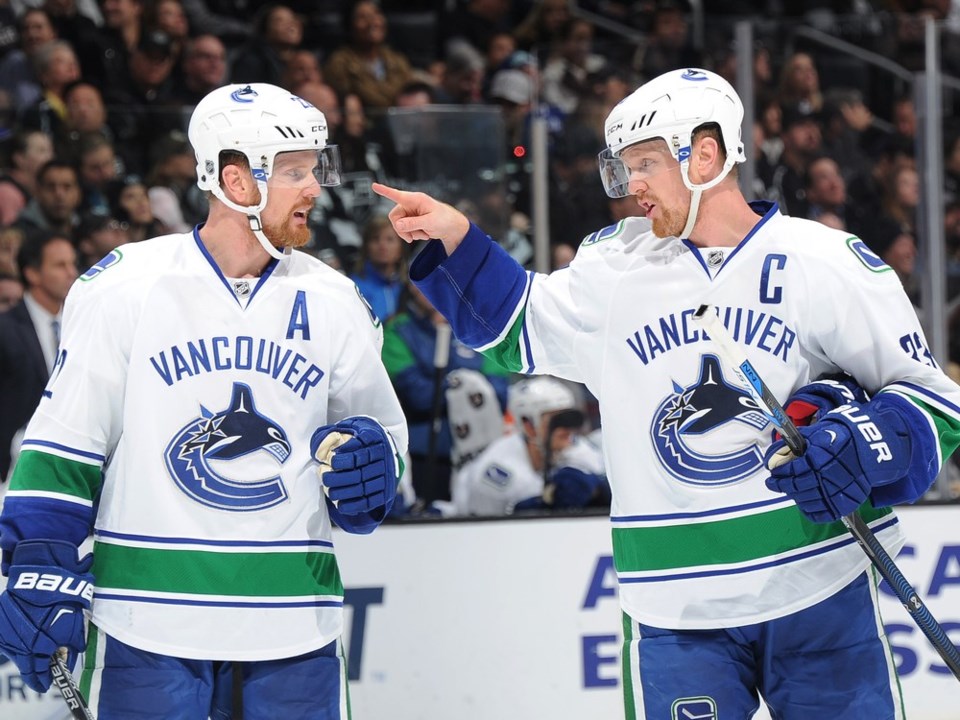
(572,488)
(816,399)
(42,608)
(851,450)
(357,466)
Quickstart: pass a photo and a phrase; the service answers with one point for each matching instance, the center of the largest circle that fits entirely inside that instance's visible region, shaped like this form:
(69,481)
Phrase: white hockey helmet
(260,121)
(531,399)
(672,106)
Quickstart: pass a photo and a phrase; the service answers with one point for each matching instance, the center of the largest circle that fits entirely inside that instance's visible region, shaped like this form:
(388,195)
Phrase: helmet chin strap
(696,193)
(253,218)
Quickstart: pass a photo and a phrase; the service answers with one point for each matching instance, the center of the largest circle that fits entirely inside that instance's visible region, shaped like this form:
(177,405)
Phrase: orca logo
(704,417)
(220,439)
(243,95)
(694,75)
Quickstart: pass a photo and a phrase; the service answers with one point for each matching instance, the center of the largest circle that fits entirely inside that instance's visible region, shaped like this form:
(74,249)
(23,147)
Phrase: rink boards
(519,619)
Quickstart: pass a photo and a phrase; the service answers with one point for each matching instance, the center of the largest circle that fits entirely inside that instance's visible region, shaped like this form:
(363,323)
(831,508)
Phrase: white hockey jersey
(698,539)
(212,535)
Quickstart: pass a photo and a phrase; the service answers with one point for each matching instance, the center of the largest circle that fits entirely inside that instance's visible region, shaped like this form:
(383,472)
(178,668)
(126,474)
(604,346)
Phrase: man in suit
(29,332)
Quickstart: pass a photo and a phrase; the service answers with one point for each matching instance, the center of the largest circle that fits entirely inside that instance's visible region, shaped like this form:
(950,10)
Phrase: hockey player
(203,380)
(545,464)
(734,579)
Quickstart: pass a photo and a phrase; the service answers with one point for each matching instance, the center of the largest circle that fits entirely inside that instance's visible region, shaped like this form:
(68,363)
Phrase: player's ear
(707,161)
(237,183)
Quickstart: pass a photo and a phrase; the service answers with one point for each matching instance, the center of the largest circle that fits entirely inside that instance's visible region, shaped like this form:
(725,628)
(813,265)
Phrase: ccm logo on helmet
(49,582)
(871,433)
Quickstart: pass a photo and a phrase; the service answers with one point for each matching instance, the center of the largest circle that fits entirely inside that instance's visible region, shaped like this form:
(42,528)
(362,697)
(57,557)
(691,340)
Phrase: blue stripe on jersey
(822,550)
(924,392)
(268,271)
(765,208)
(705,513)
(216,603)
(26,444)
(531,365)
(212,543)
(481,320)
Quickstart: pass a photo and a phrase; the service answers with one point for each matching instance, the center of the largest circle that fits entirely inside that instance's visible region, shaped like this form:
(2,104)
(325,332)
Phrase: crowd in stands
(95,96)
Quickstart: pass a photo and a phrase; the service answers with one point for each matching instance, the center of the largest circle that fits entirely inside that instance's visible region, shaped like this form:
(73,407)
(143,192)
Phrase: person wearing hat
(802,141)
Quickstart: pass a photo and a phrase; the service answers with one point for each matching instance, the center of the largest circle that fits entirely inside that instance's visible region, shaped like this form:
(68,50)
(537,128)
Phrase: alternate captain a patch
(695,426)
(219,459)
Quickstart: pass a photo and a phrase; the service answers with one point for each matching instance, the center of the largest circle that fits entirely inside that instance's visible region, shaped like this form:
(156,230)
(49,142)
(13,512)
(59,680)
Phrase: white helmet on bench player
(672,106)
(258,120)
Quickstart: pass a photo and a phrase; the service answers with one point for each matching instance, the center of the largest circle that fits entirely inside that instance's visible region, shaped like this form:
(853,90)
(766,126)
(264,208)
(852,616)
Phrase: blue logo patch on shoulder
(698,708)
(865,255)
(105,263)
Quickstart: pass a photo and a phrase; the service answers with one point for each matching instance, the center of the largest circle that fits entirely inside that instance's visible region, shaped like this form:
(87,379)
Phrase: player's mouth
(301,215)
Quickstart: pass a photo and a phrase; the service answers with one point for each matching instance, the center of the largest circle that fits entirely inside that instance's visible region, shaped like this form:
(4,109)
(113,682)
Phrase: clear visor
(614,174)
(328,171)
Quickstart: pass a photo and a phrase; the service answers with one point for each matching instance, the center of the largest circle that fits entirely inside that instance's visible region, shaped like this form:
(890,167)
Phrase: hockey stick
(736,359)
(65,683)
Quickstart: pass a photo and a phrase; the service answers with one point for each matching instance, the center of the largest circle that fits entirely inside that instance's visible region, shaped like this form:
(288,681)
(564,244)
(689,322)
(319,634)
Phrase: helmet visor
(614,174)
(328,171)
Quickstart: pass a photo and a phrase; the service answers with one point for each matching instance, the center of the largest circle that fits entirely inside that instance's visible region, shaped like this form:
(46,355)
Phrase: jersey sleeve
(526,322)
(57,480)
(870,329)
(359,385)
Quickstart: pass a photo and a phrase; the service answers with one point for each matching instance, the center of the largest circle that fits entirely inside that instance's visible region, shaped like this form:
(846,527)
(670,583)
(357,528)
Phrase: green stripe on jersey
(38,471)
(720,542)
(506,353)
(206,572)
(948,426)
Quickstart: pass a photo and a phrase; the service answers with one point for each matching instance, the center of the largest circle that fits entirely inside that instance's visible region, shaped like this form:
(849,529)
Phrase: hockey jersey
(180,414)
(698,539)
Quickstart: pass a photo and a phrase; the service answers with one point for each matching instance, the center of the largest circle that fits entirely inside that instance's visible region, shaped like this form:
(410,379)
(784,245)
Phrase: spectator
(868,188)
(366,65)
(302,67)
(476,22)
(29,332)
(97,235)
(11,291)
(324,99)
(168,16)
(203,20)
(668,45)
(76,25)
(409,343)
(540,30)
(29,151)
(55,203)
(802,141)
(97,166)
(17,74)
(462,81)
(849,134)
(105,56)
(278,33)
(144,104)
(130,204)
(203,67)
(57,67)
(175,199)
(415,94)
(800,82)
(86,114)
(381,271)
(905,117)
(566,74)
(11,238)
(826,193)
(502,47)
(545,464)
(902,197)
(897,247)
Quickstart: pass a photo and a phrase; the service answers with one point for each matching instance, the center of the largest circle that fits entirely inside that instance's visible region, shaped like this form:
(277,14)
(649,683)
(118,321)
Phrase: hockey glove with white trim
(851,450)
(42,608)
(357,464)
(570,487)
